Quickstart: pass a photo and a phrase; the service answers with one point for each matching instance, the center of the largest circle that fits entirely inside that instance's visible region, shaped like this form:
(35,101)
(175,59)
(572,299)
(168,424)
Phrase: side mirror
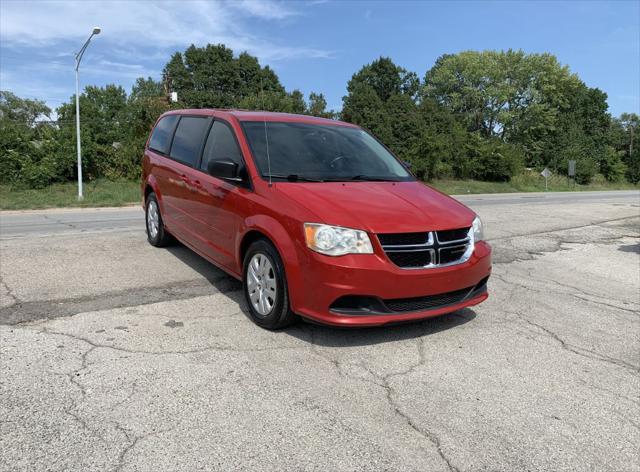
(407,164)
(226,170)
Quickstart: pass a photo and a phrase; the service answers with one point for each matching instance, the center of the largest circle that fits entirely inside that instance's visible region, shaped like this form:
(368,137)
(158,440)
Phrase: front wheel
(265,287)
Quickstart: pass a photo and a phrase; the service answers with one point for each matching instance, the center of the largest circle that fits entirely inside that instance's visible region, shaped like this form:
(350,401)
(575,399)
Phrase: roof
(248,115)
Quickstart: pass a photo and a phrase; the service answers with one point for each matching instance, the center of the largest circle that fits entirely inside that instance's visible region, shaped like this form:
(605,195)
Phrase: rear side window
(221,146)
(161,136)
(188,139)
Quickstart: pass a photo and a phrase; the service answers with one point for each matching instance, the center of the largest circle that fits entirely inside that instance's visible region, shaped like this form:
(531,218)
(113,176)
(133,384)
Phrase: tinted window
(188,139)
(221,146)
(161,136)
(322,152)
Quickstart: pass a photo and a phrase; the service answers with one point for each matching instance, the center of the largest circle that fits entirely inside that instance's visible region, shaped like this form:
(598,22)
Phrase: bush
(488,159)
(122,160)
(633,166)
(586,169)
(611,165)
(498,162)
(425,155)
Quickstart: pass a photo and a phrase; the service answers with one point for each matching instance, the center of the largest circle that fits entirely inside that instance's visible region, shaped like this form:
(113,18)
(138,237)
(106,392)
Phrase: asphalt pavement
(115,355)
(90,220)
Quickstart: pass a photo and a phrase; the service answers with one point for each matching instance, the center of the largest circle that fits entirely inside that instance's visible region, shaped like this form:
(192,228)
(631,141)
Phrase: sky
(313,45)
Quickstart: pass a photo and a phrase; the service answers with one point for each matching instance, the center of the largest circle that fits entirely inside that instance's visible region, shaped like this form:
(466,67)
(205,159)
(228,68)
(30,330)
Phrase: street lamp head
(96,30)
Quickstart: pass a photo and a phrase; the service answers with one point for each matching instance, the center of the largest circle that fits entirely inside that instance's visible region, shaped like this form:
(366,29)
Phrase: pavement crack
(49,309)
(71,410)
(384,383)
(556,240)
(132,392)
(97,345)
(425,433)
(609,305)
(59,221)
(569,228)
(9,292)
(132,442)
(577,295)
(618,395)
(314,348)
(587,353)
(397,408)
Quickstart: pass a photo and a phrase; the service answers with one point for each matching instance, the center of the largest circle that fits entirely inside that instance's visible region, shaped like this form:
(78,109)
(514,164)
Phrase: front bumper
(358,290)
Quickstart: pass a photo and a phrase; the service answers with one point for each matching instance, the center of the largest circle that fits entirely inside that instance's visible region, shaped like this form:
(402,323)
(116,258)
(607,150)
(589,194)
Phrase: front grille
(435,301)
(427,249)
(411,259)
(403,239)
(452,235)
(427,302)
(361,305)
(451,254)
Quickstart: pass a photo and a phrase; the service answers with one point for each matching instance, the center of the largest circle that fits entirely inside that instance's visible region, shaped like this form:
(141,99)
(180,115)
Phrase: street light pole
(95,31)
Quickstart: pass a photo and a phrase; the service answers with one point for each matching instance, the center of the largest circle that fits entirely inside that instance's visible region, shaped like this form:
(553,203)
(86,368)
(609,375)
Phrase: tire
(157,235)
(263,273)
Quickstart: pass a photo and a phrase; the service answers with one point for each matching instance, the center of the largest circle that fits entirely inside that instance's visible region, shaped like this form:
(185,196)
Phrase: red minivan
(315,216)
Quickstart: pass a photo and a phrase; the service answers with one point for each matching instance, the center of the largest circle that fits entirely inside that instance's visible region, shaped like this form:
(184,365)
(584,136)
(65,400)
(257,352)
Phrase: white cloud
(145,23)
(267,10)
(38,39)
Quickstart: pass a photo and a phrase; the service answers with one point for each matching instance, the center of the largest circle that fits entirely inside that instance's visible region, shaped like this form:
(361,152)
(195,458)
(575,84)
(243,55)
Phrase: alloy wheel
(261,284)
(153,219)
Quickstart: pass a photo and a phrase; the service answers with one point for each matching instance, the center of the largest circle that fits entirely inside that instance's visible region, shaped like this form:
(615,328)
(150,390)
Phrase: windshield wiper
(367,178)
(292,178)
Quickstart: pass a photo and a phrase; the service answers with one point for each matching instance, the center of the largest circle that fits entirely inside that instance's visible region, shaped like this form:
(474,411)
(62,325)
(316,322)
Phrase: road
(69,221)
(118,356)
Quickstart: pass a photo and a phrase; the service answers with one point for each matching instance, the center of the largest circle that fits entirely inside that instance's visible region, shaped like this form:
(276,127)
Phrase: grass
(530,182)
(101,192)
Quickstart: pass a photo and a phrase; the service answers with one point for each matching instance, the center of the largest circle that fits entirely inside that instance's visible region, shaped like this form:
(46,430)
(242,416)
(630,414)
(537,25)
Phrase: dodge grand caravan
(316,217)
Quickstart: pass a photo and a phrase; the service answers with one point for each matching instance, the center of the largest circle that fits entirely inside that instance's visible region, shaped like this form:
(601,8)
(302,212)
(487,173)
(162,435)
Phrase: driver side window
(221,146)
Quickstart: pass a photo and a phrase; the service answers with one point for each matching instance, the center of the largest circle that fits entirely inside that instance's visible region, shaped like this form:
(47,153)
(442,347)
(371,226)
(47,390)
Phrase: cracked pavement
(116,356)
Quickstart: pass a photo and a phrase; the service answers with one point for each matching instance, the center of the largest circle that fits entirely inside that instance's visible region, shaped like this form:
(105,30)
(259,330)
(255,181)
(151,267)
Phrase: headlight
(335,240)
(478,233)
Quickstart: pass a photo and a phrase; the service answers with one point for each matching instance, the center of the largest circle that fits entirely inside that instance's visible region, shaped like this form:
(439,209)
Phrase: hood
(379,207)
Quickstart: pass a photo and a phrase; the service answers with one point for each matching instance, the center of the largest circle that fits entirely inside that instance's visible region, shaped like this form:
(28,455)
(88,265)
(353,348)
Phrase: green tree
(146,102)
(527,100)
(274,101)
(317,106)
(364,107)
(623,138)
(582,133)
(405,123)
(611,165)
(440,149)
(494,91)
(26,141)
(103,129)
(381,98)
(211,77)
(633,166)
(146,88)
(386,79)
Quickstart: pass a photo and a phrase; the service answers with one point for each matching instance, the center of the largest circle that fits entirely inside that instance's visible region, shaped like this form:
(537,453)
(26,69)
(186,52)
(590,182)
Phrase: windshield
(310,152)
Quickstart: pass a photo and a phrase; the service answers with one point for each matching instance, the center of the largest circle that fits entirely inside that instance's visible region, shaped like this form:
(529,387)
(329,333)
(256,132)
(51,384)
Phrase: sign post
(546,173)
(572,171)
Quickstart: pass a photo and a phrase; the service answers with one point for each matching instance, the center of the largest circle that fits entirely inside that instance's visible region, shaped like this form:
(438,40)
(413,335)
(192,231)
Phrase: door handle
(196,184)
(184,178)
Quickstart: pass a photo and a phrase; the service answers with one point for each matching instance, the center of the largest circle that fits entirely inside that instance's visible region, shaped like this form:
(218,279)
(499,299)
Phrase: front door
(217,204)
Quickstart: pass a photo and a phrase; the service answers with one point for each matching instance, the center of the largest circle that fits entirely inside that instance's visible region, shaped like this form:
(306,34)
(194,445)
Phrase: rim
(153,219)
(261,284)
